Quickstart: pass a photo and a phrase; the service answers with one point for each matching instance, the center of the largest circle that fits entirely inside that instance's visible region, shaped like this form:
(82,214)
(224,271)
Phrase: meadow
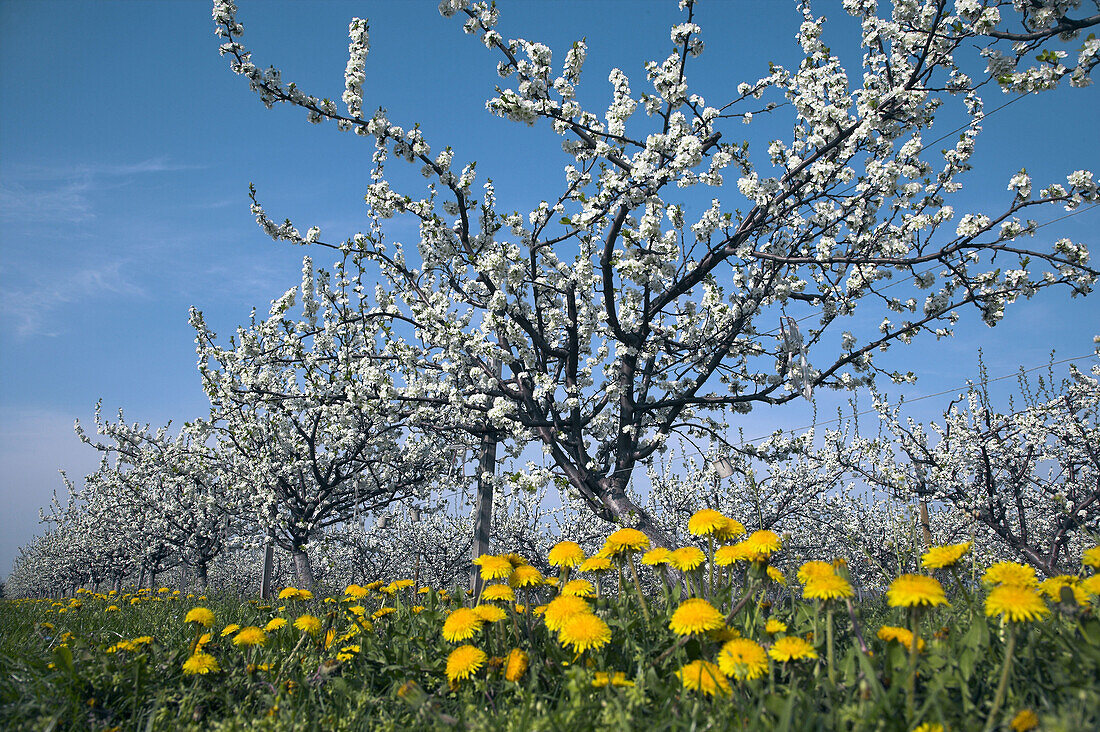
(727,642)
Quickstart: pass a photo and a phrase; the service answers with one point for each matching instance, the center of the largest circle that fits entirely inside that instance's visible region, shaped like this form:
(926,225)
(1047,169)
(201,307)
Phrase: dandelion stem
(829,640)
(962,588)
(911,682)
(1002,685)
(638,587)
(710,547)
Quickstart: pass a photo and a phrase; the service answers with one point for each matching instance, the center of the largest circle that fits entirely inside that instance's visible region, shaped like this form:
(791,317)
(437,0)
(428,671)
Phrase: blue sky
(127,147)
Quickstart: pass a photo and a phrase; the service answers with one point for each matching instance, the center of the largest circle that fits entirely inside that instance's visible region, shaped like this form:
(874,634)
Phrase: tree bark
(483,522)
(926,527)
(302,568)
(628,513)
(486,471)
(269,566)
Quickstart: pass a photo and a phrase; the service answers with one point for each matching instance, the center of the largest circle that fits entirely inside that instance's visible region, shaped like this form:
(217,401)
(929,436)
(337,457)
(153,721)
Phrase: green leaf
(63,657)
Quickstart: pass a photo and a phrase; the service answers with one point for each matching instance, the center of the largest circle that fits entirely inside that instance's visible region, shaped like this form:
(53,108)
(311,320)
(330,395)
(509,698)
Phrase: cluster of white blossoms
(355,73)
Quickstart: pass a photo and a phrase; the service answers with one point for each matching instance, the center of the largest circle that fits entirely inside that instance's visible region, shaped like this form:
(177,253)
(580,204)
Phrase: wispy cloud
(66,203)
(28,308)
(63,194)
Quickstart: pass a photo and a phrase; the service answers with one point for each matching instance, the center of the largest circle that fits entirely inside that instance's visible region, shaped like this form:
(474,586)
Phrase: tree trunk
(628,513)
(269,555)
(925,525)
(153,579)
(483,522)
(141,578)
(201,571)
(302,569)
(269,566)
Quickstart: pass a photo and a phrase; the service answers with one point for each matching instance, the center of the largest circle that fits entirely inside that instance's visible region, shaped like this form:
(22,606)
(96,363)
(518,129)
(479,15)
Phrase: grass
(67,664)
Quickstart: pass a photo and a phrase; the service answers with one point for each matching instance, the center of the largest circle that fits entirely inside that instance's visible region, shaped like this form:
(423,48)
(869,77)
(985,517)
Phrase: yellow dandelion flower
(774,626)
(913,590)
(929,727)
(704,676)
(941,557)
(727,555)
(288,593)
(250,636)
(383,612)
(687,558)
(814,568)
(200,664)
(626,540)
(403,583)
(1016,603)
(776,576)
(461,625)
(566,554)
(695,616)
(526,576)
(791,648)
(356,592)
(274,624)
(308,624)
(1090,585)
(230,629)
(494,567)
(498,592)
(904,636)
(618,678)
(305,595)
(578,587)
(1091,557)
(374,585)
(1052,588)
(1024,721)
(595,564)
(490,613)
(464,662)
(562,608)
(200,615)
(515,666)
(111,609)
(142,640)
(516,559)
(828,587)
(764,543)
(1010,573)
(706,522)
(583,631)
(657,555)
(730,531)
(743,659)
